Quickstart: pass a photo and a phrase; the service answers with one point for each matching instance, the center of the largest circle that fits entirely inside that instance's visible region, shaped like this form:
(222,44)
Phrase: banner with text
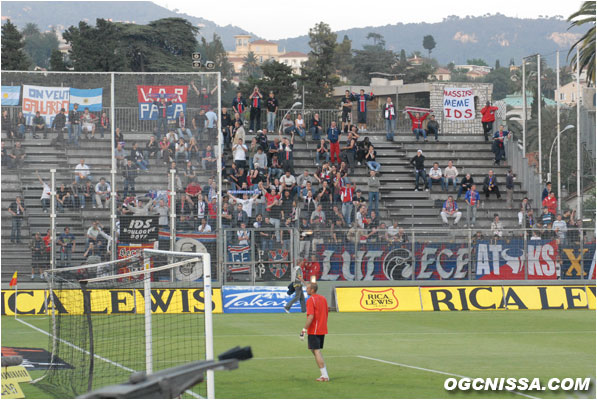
(45,99)
(459,104)
(138,229)
(257,299)
(578,262)
(174,96)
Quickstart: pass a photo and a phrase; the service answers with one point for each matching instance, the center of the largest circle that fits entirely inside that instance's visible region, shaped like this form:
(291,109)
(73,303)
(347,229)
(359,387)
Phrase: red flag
(13,281)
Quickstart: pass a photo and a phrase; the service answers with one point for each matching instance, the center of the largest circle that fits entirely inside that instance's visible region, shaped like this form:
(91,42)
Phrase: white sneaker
(287,311)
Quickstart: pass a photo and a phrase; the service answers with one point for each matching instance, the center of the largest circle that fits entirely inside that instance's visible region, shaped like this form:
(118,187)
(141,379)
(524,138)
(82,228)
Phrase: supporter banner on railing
(257,299)
(86,98)
(465,298)
(175,97)
(459,104)
(11,95)
(138,229)
(128,300)
(577,261)
(45,99)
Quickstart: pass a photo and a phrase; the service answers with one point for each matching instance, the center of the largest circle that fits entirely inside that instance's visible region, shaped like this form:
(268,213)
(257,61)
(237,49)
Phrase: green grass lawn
(530,344)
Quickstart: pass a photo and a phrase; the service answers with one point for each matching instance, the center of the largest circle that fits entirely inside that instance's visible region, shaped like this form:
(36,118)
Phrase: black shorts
(346,116)
(362,117)
(315,342)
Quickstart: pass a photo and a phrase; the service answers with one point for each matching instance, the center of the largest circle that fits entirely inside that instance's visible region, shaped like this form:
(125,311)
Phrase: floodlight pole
(558,129)
(524,110)
(539,113)
(114,249)
(578,155)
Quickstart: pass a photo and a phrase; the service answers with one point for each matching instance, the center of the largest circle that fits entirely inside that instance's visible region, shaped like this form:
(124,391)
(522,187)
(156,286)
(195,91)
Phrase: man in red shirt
(488,118)
(316,327)
(551,203)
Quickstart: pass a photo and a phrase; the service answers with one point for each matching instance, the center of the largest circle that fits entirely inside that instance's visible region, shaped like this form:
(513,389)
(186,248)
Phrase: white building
(295,60)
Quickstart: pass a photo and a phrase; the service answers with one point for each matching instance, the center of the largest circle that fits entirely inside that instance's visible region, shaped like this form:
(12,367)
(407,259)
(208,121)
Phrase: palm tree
(586,44)
(251,67)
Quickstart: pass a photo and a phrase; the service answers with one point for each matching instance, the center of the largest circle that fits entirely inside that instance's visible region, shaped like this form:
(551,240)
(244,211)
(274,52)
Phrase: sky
(279,19)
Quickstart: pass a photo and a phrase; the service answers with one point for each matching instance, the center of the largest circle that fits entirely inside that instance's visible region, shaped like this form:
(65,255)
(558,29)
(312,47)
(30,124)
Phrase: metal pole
(524,110)
(114,249)
(147,312)
(53,220)
(578,158)
(209,337)
(172,218)
(558,129)
(539,112)
(219,246)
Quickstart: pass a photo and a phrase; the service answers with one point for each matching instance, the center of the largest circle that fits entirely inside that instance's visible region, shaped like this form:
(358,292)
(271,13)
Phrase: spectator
(433,127)
(370,158)
(530,220)
(239,151)
(346,197)
(211,124)
(509,187)
(286,154)
(204,96)
(322,151)
(137,156)
(346,105)
(525,206)
(497,227)
(21,123)
(104,124)
(262,140)
(450,174)
(162,210)
(333,139)
(92,236)
(118,137)
(88,121)
(165,150)
(129,172)
(373,186)
(17,157)
(82,171)
(204,227)
(227,125)
(435,175)
(46,193)
(181,126)
(490,185)
(499,145)
(389,115)
(67,244)
(208,159)
(546,217)
(358,201)
(318,218)
(239,104)
(272,109)
(151,149)
(193,190)
(300,127)
(181,151)
(239,132)
(74,125)
(450,209)
(418,162)
(102,193)
(551,203)
(246,203)
(316,127)
(260,158)
(58,125)
(17,210)
(288,182)
(304,180)
(39,125)
(560,228)
(120,154)
(488,118)
(472,202)
(362,100)
(4,155)
(38,255)
(7,126)
(63,198)
(199,123)
(546,191)
(349,151)
(361,217)
(417,124)
(465,185)
(162,105)
(243,235)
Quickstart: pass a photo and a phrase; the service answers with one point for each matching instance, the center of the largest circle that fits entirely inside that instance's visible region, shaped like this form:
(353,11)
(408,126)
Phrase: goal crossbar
(66,269)
(144,271)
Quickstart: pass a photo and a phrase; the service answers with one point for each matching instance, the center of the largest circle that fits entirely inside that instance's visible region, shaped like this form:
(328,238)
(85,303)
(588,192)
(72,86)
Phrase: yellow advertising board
(454,298)
(104,301)
(466,298)
(351,299)
(11,377)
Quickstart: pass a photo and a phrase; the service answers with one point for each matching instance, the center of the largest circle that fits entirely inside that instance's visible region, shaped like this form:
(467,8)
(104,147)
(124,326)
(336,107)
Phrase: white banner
(459,104)
(47,100)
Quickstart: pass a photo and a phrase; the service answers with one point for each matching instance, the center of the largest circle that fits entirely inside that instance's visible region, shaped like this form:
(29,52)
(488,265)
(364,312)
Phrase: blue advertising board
(257,299)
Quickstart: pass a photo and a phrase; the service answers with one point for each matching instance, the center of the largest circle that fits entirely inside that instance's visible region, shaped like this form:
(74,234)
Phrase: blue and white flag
(86,98)
(11,95)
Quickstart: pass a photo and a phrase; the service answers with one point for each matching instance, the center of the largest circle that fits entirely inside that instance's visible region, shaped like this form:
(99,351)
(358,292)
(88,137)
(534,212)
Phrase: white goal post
(190,258)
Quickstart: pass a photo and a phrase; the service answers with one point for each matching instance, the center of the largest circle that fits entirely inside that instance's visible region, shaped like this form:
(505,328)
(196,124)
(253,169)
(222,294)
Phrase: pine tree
(13,56)
(429,43)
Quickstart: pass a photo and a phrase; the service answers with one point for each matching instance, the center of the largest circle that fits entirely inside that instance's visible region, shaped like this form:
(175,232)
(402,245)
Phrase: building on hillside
(476,74)
(416,60)
(262,49)
(568,95)
(515,102)
(295,60)
(478,68)
(426,95)
(441,74)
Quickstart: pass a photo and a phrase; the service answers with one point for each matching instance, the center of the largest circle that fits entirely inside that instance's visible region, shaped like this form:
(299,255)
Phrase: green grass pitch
(530,344)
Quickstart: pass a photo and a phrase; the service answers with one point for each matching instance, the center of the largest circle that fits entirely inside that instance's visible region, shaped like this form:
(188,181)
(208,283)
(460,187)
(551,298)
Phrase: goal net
(143,313)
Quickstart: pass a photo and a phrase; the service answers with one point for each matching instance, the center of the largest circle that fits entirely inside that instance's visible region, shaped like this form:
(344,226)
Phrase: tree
(343,57)
(318,73)
(57,61)
(477,61)
(39,46)
(497,64)
(586,44)
(403,59)
(13,56)
(214,51)
(500,78)
(429,43)
(377,39)
(451,66)
(250,67)
(373,58)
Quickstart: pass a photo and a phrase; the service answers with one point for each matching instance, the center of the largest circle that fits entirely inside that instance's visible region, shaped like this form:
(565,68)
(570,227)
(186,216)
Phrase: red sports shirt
(318,307)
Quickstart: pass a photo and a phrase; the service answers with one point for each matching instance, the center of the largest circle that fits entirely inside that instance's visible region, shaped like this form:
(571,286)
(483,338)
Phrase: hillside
(62,14)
